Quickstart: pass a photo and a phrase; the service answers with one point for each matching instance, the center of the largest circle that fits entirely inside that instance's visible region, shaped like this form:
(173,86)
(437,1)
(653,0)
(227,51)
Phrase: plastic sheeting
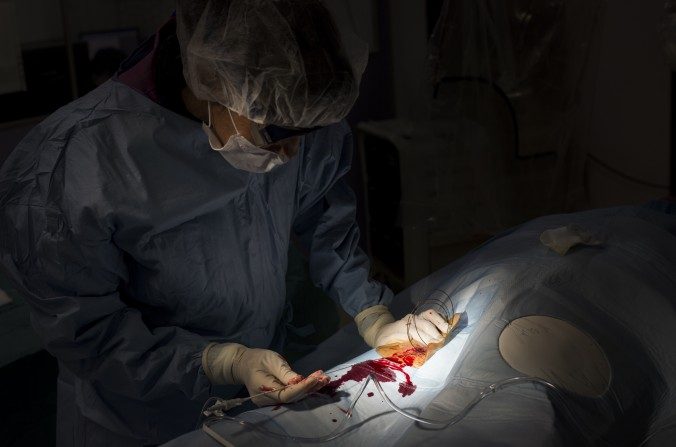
(620,294)
(509,78)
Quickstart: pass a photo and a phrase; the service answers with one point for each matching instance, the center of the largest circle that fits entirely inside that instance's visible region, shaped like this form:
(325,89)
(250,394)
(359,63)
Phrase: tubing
(440,305)
(341,429)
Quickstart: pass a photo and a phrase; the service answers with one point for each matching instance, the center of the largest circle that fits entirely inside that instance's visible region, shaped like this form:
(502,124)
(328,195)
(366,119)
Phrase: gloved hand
(260,370)
(378,327)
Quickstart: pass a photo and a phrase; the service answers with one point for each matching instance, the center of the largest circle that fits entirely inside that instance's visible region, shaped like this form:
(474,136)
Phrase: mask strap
(233,122)
(209,113)
(229,113)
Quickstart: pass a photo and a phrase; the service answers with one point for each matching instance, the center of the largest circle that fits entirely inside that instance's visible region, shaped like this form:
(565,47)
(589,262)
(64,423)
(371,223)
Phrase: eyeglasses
(265,135)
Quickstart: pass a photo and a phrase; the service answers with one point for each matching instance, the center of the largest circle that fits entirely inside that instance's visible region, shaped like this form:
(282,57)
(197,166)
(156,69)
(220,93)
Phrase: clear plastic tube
(437,300)
(340,430)
(334,434)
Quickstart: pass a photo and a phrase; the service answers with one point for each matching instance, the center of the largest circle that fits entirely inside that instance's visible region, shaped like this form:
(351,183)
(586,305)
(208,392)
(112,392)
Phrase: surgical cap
(279,62)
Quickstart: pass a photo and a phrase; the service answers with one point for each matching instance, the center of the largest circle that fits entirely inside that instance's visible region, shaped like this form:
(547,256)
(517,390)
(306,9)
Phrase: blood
(370,394)
(406,388)
(296,380)
(408,356)
(384,369)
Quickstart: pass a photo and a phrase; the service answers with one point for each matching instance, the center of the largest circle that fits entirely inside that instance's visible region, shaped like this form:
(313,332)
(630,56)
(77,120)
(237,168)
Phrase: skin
(223,125)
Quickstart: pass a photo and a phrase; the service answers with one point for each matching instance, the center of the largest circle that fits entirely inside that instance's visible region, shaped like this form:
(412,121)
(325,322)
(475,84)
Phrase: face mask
(240,153)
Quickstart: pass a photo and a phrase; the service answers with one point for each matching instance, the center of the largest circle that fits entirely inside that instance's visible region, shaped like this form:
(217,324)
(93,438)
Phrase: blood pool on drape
(396,357)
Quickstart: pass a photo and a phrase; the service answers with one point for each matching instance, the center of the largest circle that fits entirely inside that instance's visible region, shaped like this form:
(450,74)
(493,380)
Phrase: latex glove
(260,370)
(378,327)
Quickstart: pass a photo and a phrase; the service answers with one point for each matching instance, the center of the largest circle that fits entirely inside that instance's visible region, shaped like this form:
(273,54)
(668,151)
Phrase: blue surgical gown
(136,245)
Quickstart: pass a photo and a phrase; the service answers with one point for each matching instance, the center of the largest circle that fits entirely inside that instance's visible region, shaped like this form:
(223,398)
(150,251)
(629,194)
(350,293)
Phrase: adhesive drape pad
(557,351)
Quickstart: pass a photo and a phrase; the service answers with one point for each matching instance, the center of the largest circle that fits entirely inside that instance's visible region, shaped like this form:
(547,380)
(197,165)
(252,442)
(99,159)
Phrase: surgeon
(148,222)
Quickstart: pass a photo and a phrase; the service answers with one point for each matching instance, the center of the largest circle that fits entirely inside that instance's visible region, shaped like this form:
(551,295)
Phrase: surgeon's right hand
(260,370)
(378,327)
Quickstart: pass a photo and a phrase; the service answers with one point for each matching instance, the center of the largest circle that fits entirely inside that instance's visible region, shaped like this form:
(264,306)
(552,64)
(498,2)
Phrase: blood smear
(370,394)
(384,369)
(408,356)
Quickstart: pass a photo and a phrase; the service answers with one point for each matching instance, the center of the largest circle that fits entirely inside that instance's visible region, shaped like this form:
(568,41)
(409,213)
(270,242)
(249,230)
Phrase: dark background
(456,139)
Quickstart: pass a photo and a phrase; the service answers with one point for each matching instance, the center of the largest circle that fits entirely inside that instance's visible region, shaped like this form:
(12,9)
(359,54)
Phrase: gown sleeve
(58,249)
(326,227)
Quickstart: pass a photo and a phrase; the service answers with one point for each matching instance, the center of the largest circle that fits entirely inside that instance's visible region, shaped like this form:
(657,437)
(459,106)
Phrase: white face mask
(240,153)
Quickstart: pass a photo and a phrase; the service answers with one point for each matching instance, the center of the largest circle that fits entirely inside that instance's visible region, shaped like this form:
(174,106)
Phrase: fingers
(271,384)
(297,391)
(423,331)
(295,380)
(280,393)
(270,380)
(436,319)
(278,367)
(314,382)
(311,384)
(283,372)
(322,381)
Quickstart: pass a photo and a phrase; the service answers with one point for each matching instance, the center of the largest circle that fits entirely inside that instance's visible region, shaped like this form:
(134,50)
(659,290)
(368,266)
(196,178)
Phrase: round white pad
(556,351)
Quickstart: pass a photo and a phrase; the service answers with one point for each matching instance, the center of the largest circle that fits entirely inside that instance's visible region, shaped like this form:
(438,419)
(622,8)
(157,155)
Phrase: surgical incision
(406,353)
(396,356)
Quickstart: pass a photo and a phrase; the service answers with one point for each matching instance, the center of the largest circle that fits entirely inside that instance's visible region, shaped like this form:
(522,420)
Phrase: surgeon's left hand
(378,327)
(261,371)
